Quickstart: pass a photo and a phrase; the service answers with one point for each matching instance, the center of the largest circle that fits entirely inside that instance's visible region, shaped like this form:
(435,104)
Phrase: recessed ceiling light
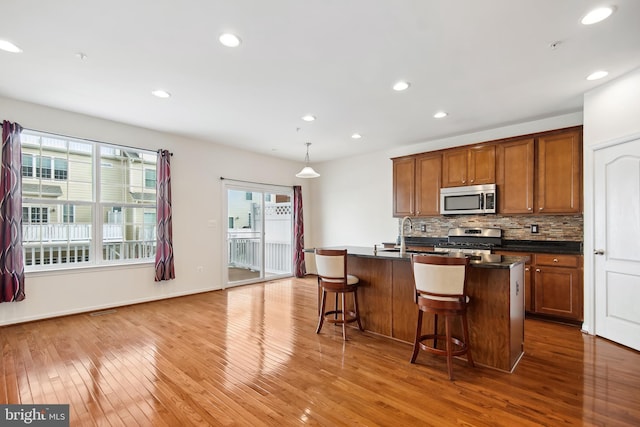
(401,85)
(356,136)
(161,93)
(229,40)
(597,15)
(597,75)
(440,115)
(7,46)
(308,118)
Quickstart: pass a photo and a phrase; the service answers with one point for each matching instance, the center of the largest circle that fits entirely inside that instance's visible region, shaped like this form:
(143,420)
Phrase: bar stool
(331,267)
(440,284)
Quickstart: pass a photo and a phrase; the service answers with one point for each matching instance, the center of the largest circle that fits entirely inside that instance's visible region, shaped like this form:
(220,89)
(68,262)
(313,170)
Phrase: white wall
(197,200)
(611,112)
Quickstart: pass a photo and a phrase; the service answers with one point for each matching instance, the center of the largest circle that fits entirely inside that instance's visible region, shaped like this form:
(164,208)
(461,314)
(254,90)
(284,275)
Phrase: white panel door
(617,243)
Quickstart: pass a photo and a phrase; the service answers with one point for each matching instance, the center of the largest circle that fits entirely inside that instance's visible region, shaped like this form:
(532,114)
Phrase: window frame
(68,205)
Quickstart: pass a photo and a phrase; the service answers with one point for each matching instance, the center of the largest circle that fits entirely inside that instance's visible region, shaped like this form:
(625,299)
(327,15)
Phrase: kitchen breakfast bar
(496,312)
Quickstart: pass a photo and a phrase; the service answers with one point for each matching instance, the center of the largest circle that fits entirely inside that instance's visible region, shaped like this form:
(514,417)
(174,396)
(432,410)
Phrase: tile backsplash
(550,227)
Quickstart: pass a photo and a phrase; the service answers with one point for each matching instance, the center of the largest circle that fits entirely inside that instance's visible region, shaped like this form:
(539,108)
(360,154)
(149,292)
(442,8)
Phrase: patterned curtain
(298,233)
(11,261)
(164,249)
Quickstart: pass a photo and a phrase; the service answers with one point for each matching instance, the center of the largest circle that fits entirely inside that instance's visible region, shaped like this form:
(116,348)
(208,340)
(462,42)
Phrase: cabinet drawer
(557,260)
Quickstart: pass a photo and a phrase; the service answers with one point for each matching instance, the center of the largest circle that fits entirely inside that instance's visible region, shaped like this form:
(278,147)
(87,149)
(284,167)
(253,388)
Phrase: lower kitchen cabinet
(558,289)
(553,285)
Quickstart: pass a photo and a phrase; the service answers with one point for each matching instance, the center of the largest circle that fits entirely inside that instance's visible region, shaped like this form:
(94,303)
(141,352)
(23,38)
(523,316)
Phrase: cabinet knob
(526,269)
(598,252)
(555,260)
(464,181)
(537,270)
(540,209)
(471,180)
(528,209)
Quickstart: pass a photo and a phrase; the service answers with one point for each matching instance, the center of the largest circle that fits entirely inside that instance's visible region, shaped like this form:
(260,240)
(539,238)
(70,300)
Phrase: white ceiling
(488,63)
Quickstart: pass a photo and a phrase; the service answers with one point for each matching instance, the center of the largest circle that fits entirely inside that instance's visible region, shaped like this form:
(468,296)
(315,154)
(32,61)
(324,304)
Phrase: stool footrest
(351,316)
(462,347)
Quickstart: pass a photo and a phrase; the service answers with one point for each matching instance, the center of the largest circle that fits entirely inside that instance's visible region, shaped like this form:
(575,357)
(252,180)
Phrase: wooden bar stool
(441,283)
(332,277)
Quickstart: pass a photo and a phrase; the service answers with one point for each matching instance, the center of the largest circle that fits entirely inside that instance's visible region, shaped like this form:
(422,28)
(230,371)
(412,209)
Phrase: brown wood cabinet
(553,285)
(558,286)
(404,184)
(469,166)
(515,176)
(559,173)
(535,174)
(416,185)
(540,175)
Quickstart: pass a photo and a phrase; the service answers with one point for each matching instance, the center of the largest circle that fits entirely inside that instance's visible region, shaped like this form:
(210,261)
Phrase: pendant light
(307,171)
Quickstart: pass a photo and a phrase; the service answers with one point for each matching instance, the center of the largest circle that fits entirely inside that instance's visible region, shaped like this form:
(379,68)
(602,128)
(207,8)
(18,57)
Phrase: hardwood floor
(250,356)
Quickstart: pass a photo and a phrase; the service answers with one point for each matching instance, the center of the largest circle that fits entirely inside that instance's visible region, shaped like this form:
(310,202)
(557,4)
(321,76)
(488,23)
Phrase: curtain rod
(90,140)
(251,182)
(160,150)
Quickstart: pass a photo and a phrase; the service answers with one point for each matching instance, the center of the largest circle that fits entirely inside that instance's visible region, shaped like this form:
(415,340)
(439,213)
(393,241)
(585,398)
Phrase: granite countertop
(546,246)
(488,261)
(533,246)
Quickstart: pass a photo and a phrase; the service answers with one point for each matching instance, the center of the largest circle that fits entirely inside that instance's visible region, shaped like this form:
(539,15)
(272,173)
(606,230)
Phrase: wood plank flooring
(249,356)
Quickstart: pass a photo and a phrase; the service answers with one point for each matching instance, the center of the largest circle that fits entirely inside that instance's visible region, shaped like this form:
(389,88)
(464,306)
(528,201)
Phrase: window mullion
(98,219)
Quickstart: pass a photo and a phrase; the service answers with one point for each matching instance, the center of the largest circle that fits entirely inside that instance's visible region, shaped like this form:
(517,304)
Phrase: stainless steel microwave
(473,199)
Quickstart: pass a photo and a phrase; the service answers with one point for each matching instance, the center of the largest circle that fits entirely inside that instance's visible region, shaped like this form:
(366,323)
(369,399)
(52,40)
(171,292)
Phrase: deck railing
(50,244)
(244,252)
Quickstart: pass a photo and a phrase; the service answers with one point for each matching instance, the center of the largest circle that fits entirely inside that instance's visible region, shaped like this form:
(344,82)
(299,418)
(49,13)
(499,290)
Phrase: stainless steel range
(474,241)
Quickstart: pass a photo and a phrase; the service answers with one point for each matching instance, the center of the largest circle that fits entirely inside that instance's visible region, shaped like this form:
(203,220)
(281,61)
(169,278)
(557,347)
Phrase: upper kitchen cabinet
(540,174)
(515,176)
(404,184)
(416,185)
(559,173)
(469,166)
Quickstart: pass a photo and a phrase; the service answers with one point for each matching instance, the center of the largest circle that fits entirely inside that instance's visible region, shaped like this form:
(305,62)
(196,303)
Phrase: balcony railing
(68,232)
(51,244)
(244,252)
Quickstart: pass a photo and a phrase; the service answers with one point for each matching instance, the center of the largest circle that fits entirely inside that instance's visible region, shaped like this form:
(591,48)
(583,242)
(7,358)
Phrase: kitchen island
(496,312)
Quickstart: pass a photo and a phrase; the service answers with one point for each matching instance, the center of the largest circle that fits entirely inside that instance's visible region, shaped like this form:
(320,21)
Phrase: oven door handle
(482,196)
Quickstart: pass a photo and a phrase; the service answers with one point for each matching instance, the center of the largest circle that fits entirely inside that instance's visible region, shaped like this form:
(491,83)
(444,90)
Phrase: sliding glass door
(259,244)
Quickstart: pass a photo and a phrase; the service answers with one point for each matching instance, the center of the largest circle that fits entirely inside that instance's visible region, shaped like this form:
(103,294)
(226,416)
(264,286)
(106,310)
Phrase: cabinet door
(515,177)
(558,292)
(559,173)
(454,168)
(403,186)
(428,178)
(482,165)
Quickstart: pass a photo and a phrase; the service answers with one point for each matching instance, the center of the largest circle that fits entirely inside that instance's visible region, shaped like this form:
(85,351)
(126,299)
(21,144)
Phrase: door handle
(598,252)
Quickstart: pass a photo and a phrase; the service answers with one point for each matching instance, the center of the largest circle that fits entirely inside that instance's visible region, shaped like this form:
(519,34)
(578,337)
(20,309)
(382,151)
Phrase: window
(60,169)
(68,214)
(27,165)
(35,215)
(43,167)
(86,202)
(149,178)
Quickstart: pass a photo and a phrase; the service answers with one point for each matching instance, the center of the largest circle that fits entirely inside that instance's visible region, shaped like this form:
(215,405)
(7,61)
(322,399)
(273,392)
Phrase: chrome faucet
(403,246)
